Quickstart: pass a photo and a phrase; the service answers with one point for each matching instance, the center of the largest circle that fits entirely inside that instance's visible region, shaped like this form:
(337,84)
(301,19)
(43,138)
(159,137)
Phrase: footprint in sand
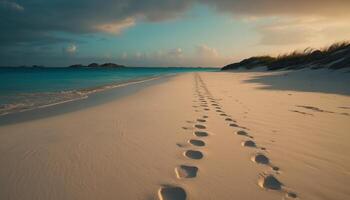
(198,143)
(207,109)
(185,171)
(169,192)
(193,154)
(260,159)
(233,125)
(291,195)
(275,168)
(268,181)
(243,133)
(223,114)
(205,116)
(218,110)
(236,125)
(200,126)
(201,120)
(230,120)
(249,143)
(201,134)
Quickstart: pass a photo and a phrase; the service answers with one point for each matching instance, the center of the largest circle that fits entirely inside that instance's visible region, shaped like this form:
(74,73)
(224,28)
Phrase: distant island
(93,65)
(336,56)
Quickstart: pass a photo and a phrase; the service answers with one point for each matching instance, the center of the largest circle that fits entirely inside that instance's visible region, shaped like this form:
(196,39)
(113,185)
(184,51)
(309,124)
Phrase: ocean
(28,88)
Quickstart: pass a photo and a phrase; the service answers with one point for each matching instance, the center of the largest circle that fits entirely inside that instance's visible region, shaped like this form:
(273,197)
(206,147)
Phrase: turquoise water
(28,88)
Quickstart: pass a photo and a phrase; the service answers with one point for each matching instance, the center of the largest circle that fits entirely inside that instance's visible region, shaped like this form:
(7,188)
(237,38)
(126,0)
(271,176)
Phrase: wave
(29,101)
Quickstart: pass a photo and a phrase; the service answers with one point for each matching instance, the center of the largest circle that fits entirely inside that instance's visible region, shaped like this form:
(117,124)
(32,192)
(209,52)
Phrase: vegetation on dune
(335,56)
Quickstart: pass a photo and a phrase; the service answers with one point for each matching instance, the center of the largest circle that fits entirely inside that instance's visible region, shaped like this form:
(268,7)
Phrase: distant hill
(336,56)
(105,65)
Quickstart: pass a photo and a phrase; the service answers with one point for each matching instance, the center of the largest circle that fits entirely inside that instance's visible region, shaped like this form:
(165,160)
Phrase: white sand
(129,148)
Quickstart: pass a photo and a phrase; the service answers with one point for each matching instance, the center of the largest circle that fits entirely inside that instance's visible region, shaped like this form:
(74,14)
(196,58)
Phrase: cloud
(116,27)
(205,51)
(285,36)
(282,8)
(294,31)
(71,49)
(124,56)
(80,17)
(205,55)
(39,23)
(11,5)
(299,22)
(177,52)
(40,17)
(285,32)
(200,55)
(138,55)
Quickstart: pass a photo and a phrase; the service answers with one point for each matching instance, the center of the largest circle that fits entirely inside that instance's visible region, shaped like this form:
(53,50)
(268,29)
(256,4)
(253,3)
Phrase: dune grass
(335,56)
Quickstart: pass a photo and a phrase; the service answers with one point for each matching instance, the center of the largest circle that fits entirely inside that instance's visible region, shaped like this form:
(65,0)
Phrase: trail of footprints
(186,171)
(204,100)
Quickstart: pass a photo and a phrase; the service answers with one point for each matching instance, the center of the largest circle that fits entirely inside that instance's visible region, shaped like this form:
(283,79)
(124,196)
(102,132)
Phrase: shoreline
(29,89)
(103,94)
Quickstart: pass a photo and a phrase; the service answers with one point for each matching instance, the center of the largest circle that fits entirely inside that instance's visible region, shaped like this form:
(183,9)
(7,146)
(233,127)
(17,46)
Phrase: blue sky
(198,26)
(164,33)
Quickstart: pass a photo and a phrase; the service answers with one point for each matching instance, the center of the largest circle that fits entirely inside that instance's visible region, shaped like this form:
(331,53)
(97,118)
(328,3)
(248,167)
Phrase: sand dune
(195,124)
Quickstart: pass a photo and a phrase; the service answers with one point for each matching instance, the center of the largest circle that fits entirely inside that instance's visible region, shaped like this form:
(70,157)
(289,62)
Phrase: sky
(205,33)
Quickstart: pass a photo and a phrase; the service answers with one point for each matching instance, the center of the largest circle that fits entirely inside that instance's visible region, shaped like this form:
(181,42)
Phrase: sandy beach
(207,135)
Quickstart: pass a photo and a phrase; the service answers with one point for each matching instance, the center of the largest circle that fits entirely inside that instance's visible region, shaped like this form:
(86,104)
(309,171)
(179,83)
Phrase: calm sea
(29,88)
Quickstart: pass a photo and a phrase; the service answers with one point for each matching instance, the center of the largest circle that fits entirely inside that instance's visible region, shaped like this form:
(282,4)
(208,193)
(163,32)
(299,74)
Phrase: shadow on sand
(306,80)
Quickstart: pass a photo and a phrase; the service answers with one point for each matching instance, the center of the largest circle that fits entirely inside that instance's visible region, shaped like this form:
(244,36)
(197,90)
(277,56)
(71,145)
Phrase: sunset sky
(163,32)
